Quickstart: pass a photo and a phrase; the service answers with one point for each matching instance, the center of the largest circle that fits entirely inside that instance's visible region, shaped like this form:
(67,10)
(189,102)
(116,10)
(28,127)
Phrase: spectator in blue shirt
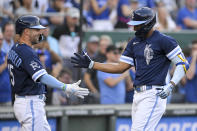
(147,3)
(8,32)
(57,6)
(99,9)
(191,76)
(112,86)
(100,12)
(187,16)
(5,87)
(53,42)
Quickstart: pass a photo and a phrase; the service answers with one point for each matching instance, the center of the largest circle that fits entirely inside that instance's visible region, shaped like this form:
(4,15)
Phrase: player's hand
(166,91)
(74,89)
(82,60)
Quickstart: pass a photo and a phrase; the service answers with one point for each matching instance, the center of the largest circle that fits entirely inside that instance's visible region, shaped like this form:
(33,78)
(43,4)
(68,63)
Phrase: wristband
(64,87)
(173,84)
(91,65)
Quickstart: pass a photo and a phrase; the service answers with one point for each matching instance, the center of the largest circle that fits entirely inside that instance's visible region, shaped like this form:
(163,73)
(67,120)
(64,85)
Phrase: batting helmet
(143,16)
(27,21)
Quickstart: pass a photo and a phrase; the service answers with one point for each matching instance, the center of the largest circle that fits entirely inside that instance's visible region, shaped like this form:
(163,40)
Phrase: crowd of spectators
(61,17)
(172,15)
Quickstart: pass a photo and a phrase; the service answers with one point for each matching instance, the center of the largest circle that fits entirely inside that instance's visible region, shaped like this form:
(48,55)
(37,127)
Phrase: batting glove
(74,89)
(82,61)
(166,91)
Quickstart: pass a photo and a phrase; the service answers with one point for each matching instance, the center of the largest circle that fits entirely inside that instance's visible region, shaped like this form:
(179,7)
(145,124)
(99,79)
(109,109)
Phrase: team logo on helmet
(148,54)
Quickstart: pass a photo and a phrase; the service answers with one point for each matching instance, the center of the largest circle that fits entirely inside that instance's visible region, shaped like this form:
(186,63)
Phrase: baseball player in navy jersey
(151,52)
(28,77)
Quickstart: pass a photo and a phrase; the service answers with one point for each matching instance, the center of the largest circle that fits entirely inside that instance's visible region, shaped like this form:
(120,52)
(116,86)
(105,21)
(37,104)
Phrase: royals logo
(148,54)
(34,65)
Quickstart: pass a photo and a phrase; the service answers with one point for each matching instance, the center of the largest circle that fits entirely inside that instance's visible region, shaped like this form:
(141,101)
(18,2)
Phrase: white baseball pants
(31,114)
(147,110)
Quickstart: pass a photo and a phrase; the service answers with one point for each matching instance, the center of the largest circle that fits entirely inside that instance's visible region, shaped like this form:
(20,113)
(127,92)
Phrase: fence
(178,117)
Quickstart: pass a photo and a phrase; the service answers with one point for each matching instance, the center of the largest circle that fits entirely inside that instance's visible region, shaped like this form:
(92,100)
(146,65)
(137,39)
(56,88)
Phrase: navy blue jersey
(151,58)
(25,68)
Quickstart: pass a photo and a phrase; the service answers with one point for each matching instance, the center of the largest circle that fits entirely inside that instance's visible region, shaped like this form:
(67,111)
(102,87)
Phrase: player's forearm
(52,82)
(179,73)
(108,67)
(190,23)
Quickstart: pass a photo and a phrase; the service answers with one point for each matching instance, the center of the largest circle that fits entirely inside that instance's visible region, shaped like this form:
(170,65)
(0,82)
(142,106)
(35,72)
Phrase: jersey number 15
(10,68)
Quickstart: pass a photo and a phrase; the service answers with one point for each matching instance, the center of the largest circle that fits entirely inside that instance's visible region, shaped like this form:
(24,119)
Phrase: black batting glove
(82,61)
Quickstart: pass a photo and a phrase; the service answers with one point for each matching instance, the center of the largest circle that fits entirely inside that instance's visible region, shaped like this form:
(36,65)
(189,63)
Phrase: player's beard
(35,40)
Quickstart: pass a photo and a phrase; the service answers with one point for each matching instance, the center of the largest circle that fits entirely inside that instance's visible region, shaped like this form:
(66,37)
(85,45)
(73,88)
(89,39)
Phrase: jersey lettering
(10,68)
(14,57)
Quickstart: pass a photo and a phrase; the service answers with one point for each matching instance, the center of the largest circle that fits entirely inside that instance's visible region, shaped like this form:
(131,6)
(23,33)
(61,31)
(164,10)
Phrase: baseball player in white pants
(151,53)
(29,78)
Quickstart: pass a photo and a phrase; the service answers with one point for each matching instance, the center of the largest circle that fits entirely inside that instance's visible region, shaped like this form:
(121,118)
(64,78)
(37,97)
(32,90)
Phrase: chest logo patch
(148,54)
(34,65)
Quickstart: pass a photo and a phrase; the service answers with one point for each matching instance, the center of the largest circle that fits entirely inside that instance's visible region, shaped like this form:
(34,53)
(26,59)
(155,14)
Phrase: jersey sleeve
(170,47)
(127,55)
(33,66)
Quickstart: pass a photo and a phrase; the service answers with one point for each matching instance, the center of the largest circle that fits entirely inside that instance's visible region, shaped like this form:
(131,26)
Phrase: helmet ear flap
(149,24)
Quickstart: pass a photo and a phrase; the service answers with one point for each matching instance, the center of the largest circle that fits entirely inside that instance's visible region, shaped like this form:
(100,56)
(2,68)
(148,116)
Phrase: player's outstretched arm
(68,88)
(84,61)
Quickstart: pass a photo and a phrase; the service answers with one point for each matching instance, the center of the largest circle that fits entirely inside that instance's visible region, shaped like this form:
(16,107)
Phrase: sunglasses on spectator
(1,38)
(116,52)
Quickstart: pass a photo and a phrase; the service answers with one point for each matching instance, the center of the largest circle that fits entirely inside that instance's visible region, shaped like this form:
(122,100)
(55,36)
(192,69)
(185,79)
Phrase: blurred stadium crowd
(61,17)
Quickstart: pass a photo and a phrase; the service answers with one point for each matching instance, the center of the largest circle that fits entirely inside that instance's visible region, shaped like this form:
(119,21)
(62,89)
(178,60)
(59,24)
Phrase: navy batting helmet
(27,21)
(143,16)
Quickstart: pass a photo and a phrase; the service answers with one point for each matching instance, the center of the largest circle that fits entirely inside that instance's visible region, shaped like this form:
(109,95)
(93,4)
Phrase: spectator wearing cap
(8,32)
(5,86)
(112,86)
(90,76)
(92,45)
(68,37)
(187,16)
